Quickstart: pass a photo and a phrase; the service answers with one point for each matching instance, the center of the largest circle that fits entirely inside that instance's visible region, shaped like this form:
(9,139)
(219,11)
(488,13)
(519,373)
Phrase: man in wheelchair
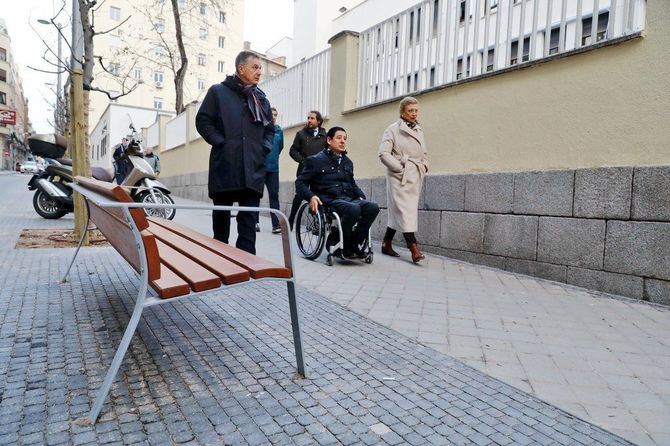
(328,179)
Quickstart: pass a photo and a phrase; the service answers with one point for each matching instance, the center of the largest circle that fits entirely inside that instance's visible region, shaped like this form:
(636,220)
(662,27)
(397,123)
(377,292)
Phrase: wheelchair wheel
(310,232)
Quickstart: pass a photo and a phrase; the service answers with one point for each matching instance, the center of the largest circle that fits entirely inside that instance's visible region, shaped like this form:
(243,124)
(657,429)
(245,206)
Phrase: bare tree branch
(98,33)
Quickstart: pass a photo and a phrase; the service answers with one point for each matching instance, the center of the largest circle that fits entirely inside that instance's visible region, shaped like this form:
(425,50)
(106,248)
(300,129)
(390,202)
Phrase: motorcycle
(53,194)
(141,180)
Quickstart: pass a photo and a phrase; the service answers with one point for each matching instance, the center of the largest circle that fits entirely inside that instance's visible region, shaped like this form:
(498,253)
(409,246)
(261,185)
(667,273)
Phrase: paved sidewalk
(600,357)
(219,370)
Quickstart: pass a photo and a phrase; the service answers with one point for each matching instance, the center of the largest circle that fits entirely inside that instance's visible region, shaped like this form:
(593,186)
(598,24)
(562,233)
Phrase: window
(159,51)
(553,40)
(3,54)
(493,5)
(201,84)
(115,13)
(158,103)
(3,75)
(3,98)
(160,25)
(221,67)
(436,16)
(201,59)
(137,73)
(222,17)
(587,23)
(490,59)
(202,34)
(182,4)
(114,40)
(222,41)
(461,13)
(203,8)
(514,53)
(397,32)
(114,69)
(459,68)
(158,77)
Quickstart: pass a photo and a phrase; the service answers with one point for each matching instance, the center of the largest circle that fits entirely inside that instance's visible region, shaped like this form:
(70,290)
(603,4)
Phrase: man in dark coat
(328,178)
(121,161)
(235,118)
(307,142)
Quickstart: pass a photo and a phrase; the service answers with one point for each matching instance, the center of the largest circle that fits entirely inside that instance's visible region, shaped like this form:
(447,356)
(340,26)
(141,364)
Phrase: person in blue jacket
(327,178)
(272,173)
(236,120)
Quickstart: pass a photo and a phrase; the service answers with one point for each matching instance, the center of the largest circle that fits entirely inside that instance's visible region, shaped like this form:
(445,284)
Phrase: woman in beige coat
(403,152)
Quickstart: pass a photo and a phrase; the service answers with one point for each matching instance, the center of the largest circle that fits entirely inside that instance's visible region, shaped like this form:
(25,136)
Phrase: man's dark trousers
(351,211)
(246,221)
(272,183)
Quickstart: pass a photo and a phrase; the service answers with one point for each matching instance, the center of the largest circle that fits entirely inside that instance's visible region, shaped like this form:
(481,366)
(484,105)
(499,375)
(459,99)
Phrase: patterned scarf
(411,124)
(254,97)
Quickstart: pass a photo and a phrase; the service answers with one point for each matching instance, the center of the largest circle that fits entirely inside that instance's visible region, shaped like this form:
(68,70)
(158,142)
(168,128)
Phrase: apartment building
(141,50)
(14,125)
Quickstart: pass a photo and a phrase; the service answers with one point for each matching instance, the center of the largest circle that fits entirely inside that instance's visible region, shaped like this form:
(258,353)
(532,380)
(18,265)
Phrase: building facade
(314,22)
(141,49)
(12,136)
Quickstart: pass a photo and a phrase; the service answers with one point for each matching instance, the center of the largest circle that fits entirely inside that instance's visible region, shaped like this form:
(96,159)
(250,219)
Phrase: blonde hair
(409,100)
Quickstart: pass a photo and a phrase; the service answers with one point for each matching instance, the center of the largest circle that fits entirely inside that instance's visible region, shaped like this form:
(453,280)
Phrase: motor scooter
(53,193)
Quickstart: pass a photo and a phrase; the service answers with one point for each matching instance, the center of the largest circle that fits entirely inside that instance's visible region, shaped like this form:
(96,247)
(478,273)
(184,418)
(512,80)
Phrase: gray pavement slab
(530,333)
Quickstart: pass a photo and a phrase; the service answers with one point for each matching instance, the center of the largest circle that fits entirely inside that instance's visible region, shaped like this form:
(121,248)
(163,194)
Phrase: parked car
(29,167)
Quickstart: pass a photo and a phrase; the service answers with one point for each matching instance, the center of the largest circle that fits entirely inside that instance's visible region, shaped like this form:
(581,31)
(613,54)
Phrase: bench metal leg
(295,324)
(81,241)
(118,357)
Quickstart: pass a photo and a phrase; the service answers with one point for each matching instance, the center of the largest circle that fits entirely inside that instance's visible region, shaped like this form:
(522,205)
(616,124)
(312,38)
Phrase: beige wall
(606,107)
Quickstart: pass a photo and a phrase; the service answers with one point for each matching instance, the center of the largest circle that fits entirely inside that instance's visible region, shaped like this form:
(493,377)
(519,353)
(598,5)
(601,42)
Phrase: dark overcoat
(323,176)
(239,145)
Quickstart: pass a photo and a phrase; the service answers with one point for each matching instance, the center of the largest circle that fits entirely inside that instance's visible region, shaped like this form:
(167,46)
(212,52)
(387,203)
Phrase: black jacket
(323,176)
(305,144)
(239,145)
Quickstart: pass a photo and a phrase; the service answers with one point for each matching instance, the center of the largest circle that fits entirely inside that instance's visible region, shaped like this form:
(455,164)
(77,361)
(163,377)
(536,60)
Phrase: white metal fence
(300,89)
(438,42)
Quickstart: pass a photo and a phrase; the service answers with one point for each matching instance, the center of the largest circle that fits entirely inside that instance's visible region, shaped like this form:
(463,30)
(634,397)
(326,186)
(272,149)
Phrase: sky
(265,23)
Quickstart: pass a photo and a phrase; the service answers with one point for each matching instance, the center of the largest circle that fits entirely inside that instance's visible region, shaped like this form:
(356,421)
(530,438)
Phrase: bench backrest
(112,223)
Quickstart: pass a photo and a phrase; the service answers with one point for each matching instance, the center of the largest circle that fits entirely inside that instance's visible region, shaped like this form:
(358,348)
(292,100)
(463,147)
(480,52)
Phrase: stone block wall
(606,229)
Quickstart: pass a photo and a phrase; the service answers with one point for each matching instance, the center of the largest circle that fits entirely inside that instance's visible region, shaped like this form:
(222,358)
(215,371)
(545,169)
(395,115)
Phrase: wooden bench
(175,262)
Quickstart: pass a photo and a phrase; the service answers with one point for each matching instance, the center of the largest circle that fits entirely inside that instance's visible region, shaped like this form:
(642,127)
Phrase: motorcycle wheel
(161,198)
(47,207)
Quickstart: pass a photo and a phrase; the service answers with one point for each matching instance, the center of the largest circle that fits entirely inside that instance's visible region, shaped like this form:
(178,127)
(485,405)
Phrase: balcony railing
(438,42)
(300,89)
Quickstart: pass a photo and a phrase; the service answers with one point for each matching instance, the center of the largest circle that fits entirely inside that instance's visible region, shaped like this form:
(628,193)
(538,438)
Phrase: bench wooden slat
(258,267)
(170,284)
(120,236)
(228,271)
(115,192)
(197,276)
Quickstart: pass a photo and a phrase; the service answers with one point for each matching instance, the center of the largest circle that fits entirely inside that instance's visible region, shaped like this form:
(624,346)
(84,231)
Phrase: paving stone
(544,192)
(231,355)
(603,193)
(471,257)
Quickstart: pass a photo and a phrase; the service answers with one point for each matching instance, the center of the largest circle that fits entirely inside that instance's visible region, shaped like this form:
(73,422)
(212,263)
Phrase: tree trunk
(181,72)
(79,152)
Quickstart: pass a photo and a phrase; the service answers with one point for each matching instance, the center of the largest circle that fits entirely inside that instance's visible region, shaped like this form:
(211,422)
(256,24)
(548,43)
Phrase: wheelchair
(323,229)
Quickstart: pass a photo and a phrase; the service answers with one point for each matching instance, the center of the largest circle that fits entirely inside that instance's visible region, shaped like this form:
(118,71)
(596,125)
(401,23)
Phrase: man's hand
(314,203)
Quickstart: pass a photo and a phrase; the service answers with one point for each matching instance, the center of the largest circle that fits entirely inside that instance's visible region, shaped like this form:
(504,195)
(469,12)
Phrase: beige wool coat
(404,153)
